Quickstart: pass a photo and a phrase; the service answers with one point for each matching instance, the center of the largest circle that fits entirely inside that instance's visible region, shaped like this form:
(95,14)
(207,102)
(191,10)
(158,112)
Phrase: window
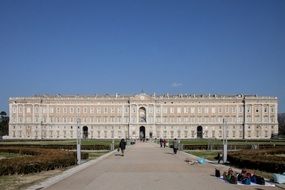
(240,109)
(248,109)
(192,109)
(199,110)
(206,110)
(71,110)
(14,109)
(213,110)
(213,134)
(28,110)
(185,134)
(249,133)
(227,110)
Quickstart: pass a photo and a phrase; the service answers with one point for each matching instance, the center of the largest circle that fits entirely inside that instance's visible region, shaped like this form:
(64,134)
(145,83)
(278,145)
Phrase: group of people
(162,143)
(245,177)
(175,144)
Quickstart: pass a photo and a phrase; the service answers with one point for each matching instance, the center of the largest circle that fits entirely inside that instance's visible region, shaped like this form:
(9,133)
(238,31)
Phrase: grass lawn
(210,155)
(94,155)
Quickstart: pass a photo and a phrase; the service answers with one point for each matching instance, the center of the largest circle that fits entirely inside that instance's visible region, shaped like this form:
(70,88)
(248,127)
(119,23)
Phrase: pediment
(142,97)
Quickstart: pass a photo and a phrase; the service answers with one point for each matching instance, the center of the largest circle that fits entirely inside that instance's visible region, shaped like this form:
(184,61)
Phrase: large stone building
(143,116)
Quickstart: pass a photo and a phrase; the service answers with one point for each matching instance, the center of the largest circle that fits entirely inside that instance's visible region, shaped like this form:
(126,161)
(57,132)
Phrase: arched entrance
(85,132)
(200,132)
(142,133)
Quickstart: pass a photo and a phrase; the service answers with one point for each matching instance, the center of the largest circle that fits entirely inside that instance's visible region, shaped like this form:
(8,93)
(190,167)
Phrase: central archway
(142,133)
(85,132)
(200,132)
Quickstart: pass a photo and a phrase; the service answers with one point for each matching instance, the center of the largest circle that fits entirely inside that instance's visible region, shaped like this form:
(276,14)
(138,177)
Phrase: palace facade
(143,116)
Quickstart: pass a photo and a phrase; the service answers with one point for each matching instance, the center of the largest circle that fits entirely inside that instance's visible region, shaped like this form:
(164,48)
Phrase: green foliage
(4,123)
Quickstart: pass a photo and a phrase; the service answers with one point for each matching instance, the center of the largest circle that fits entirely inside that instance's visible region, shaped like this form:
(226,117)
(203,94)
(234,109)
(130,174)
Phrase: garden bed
(264,160)
(39,159)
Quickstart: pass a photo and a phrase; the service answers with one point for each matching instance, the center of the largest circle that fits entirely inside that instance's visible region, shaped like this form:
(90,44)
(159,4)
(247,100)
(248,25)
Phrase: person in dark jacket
(175,145)
(122,146)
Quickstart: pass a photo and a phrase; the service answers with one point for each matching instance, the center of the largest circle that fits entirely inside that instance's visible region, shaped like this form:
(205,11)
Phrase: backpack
(260,180)
(246,181)
(233,180)
(217,173)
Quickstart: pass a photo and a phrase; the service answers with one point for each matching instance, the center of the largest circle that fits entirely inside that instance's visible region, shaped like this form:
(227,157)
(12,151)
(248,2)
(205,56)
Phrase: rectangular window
(192,109)
(206,110)
(213,134)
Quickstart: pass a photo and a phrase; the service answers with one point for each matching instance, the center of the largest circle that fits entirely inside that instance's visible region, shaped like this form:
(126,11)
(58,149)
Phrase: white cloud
(176,84)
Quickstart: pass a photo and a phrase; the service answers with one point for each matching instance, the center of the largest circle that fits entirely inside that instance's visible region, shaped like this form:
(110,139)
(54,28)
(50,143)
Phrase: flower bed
(40,160)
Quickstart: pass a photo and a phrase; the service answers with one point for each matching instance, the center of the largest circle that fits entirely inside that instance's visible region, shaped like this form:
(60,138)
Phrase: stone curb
(52,180)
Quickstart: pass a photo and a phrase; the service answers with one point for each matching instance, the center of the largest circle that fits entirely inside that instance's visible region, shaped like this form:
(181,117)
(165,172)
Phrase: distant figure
(160,142)
(122,146)
(164,143)
(219,157)
(175,145)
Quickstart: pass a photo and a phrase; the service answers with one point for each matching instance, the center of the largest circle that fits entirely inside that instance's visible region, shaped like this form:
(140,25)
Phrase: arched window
(142,114)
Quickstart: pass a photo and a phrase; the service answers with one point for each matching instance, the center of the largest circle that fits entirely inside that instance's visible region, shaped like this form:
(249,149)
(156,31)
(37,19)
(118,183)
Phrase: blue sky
(96,47)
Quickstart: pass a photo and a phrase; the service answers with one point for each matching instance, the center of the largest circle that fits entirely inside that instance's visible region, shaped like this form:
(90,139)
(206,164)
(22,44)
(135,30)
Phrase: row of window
(120,134)
(165,119)
(176,110)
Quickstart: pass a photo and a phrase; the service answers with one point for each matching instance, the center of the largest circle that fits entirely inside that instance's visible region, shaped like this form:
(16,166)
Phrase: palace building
(142,115)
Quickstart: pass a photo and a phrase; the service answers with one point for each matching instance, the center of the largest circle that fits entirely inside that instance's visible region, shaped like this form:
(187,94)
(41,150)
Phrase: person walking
(164,143)
(122,146)
(175,145)
(160,142)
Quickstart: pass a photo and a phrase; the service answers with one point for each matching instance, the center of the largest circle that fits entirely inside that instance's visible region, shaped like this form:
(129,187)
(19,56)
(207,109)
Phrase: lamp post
(225,142)
(78,142)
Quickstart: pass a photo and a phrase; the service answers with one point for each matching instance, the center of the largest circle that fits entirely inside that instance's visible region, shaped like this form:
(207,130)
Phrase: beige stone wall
(106,117)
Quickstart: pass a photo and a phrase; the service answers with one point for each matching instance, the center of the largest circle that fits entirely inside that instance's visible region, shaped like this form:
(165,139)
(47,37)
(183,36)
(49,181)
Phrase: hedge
(40,160)
(58,146)
(265,160)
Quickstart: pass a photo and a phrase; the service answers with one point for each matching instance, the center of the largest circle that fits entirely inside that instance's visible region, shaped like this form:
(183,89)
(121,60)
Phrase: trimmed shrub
(265,159)
(39,160)
(58,146)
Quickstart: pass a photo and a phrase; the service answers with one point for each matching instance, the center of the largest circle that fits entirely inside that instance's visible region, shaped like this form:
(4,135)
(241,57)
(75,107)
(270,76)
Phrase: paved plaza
(147,166)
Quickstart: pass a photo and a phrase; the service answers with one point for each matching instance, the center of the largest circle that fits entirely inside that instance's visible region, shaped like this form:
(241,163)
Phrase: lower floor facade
(148,131)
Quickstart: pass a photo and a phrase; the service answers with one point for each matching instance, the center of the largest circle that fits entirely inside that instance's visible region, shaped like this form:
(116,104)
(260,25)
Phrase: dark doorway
(85,132)
(142,133)
(200,132)
(150,135)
